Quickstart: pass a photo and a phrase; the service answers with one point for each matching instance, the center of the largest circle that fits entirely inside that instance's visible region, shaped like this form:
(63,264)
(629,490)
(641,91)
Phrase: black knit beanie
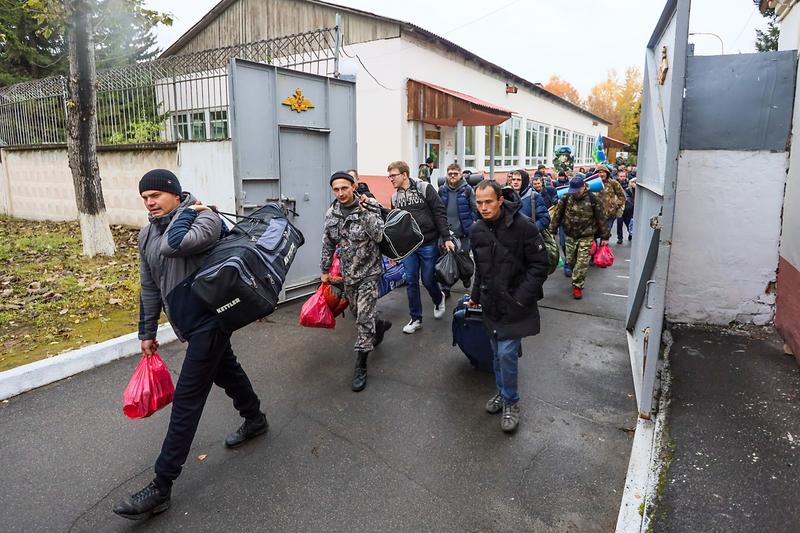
(160,179)
(342,176)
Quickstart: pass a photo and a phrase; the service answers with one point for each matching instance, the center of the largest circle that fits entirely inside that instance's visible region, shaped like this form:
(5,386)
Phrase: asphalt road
(414,452)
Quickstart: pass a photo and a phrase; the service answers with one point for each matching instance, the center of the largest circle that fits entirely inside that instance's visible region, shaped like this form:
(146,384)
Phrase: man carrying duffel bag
(356,231)
(422,201)
(510,267)
(171,248)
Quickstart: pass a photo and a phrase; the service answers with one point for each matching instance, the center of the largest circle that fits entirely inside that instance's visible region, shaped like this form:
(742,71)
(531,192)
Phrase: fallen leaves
(52,298)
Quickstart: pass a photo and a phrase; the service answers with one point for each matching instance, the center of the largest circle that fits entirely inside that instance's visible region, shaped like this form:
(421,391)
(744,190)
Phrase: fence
(181,97)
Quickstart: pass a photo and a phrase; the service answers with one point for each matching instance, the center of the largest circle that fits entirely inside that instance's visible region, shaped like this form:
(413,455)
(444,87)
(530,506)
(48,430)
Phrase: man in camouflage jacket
(354,226)
(612,197)
(581,216)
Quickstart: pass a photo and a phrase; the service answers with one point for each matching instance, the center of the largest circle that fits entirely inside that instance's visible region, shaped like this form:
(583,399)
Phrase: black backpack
(242,277)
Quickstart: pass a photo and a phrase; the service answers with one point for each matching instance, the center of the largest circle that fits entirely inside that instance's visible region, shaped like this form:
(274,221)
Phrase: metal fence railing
(182,97)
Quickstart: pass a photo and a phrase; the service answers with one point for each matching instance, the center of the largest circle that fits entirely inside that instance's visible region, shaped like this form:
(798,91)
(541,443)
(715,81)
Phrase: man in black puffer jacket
(510,267)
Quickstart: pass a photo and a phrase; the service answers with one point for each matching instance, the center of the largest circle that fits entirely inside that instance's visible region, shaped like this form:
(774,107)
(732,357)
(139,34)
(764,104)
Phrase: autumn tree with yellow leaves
(620,101)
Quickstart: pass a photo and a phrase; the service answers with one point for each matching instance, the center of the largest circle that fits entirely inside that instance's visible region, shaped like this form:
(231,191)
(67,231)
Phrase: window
(180,127)
(219,124)
(589,155)
(506,143)
(469,147)
(536,144)
(560,138)
(579,147)
(198,126)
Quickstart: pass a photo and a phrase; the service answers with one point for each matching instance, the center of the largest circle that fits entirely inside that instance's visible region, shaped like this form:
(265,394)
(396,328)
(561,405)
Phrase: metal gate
(289,130)
(659,147)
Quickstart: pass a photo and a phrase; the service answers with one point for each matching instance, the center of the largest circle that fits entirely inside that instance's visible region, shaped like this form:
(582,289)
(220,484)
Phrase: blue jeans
(506,360)
(423,259)
(562,240)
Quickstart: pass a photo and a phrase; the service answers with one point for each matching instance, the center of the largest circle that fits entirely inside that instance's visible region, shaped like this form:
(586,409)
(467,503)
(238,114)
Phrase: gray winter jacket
(171,248)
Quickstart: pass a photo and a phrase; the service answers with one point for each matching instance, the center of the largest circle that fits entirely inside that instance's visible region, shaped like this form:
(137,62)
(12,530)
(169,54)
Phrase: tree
(767,41)
(122,36)
(564,89)
(619,102)
(602,101)
(74,17)
(24,52)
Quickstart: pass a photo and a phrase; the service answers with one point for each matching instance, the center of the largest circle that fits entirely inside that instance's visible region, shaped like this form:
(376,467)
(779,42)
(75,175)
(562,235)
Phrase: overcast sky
(579,40)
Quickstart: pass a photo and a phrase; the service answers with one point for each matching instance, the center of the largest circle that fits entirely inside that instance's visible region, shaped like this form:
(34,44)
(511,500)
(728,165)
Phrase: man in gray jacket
(171,248)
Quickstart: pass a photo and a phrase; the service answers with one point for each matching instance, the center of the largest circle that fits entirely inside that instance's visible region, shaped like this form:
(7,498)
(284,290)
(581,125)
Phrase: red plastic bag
(336,267)
(604,257)
(594,249)
(315,313)
(335,298)
(149,389)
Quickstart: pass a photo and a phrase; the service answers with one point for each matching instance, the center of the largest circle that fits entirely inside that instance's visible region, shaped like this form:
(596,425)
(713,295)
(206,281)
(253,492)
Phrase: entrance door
(304,167)
(659,147)
(433,146)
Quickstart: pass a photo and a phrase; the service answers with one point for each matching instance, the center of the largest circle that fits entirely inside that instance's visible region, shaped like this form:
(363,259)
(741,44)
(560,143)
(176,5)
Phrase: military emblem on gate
(298,102)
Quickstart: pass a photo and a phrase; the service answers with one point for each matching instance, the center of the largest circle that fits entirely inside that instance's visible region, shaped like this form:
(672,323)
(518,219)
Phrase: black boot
(148,501)
(249,429)
(360,372)
(381,327)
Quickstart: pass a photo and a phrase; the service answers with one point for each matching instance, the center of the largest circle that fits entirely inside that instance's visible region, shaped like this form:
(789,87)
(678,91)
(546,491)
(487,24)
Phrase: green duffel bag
(553,254)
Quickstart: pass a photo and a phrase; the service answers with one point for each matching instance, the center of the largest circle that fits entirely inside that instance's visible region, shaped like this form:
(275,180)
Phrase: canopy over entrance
(437,105)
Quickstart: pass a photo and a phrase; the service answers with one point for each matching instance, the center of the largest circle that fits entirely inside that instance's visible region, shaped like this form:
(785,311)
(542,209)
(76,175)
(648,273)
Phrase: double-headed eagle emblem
(298,102)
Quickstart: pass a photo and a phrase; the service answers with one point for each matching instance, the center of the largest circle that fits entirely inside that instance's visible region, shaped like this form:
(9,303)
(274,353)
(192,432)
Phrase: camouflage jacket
(357,236)
(581,217)
(612,198)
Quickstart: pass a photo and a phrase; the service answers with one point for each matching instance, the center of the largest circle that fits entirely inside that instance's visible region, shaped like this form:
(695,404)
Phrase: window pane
(219,124)
(469,141)
(180,127)
(198,126)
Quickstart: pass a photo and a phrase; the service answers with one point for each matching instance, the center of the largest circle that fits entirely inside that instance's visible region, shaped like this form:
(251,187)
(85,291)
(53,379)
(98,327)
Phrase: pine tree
(767,41)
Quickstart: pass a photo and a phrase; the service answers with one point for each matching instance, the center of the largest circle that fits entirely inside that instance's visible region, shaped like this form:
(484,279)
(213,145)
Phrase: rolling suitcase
(471,336)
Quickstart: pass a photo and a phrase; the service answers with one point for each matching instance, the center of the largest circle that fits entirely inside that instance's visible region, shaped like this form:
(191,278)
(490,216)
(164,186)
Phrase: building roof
(408,27)
(614,141)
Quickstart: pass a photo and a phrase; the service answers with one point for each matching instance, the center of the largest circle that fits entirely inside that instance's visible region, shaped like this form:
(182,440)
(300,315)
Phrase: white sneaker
(438,311)
(412,326)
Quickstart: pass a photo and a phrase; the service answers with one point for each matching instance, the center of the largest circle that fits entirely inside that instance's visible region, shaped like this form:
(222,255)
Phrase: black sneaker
(148,501)
(249,429)
(381,327)
(619,241)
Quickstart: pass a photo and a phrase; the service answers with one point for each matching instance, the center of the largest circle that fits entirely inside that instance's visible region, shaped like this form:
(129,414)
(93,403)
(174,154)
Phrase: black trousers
(209,359)
(624,220)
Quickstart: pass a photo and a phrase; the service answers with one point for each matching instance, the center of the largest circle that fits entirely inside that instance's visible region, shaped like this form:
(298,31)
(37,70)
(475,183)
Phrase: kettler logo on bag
(290,255)
(228,305)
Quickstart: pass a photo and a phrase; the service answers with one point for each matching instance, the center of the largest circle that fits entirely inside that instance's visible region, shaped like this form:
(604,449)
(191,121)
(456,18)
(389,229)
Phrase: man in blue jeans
(511,265)
(421,200)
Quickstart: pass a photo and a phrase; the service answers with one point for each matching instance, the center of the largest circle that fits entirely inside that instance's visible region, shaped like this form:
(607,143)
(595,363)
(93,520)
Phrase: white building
(414,88)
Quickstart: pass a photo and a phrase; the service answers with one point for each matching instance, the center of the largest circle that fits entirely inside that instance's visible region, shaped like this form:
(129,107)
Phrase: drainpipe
(461,142)
(491,152)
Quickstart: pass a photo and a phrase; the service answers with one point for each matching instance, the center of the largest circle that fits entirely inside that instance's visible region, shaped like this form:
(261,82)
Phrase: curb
(40,373)
(646,462)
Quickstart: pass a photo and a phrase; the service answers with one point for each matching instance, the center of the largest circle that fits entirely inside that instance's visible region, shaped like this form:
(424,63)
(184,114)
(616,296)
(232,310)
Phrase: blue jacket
(542,219)
(465,201)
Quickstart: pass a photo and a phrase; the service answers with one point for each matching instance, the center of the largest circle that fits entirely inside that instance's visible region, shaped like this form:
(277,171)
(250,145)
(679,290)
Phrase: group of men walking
(504,229)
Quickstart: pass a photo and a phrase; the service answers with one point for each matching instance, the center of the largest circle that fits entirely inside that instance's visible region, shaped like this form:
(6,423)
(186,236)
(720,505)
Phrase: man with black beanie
(354,226)
(172,247)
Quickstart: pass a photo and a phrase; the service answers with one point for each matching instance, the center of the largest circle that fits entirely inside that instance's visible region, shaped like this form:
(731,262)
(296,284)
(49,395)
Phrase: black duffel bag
(401,233)
(242,277)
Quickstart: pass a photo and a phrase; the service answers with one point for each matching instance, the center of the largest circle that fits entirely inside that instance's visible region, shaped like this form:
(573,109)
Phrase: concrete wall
(37,184)
(787,319)
(725,241)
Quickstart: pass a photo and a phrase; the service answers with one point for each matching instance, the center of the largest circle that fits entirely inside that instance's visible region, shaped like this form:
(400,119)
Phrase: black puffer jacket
(509,274)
